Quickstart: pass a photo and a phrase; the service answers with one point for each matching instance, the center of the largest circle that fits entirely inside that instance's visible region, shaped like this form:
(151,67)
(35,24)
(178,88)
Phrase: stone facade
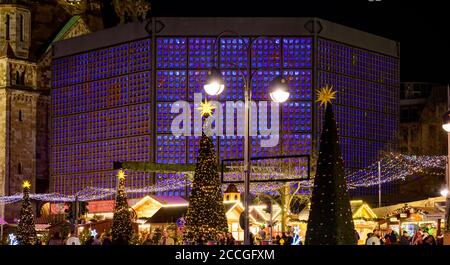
(25,83)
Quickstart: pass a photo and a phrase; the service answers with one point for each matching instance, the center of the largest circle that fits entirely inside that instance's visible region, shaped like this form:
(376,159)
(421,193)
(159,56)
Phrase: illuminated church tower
(20,99)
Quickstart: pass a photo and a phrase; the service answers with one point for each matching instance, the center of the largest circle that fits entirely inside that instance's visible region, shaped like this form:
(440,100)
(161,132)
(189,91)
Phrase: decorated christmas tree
(122,228)
(26,232)
(330,219)
(205,217)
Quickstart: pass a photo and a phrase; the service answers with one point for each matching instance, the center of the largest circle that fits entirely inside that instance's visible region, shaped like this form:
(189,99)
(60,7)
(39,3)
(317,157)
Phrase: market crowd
(392,238)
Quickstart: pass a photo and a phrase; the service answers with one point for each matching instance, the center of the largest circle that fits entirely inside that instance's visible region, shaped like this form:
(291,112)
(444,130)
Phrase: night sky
(421,27)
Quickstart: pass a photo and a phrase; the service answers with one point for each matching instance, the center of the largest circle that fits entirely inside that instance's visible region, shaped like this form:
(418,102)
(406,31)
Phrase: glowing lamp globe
(279,90)
(446,121)
(214,84)
(444,192)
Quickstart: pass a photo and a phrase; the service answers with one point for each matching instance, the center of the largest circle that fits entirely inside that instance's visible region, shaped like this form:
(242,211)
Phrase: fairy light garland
(394,167)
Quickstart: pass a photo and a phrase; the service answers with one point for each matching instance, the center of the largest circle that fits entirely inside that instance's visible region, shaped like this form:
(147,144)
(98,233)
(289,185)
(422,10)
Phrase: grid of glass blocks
(170,85)
(140,56)
(233,52)
(362,64)
(171,149)
(171,53)
(297,52)
(170,184)
(101,102)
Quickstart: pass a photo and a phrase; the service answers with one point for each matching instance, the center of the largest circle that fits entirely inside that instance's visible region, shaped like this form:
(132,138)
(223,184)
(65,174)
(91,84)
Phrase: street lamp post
(215,84)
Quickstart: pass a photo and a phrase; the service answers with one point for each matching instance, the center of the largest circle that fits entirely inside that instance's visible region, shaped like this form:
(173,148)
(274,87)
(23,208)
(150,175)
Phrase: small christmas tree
(26,232)
(122,228)
(205,217)
(330,220)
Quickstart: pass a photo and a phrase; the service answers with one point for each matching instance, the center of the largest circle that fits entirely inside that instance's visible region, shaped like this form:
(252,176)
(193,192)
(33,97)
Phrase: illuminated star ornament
(121,174)
(26,184)
(206,108)
(325,95)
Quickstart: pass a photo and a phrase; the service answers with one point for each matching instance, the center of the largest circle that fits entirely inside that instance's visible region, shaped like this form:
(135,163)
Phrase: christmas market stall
(413,216)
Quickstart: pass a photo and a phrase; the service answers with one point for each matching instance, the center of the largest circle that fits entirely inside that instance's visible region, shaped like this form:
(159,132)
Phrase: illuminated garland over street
(394,167)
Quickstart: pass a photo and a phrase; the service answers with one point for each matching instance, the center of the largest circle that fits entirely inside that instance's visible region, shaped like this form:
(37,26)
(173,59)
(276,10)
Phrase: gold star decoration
(121,174)
(206,108)
(325,95)
(26,184)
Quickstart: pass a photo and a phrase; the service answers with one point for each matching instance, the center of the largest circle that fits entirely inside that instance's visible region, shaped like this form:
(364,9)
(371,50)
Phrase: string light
(394,167)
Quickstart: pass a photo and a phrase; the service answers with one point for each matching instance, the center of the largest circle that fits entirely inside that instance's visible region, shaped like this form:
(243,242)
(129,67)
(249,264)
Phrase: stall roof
(167,215)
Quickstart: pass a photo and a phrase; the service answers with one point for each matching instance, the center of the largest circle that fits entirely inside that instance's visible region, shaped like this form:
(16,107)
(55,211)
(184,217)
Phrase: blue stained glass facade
(102,101)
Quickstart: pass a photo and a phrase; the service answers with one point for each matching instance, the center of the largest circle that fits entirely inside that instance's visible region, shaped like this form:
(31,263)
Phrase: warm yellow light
(325,95)
(121,174)
(279,96)
(26,184)
(206,108)
(446,127)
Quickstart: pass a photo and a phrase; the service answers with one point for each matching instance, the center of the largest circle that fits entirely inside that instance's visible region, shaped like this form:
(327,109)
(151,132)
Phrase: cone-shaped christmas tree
(330,219)
(26,232)
(205,217)
(122,229)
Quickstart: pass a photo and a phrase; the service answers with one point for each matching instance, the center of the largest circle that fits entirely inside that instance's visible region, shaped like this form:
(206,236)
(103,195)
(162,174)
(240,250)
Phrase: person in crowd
(90,241)
(375,238)
(97,241)
(369,235)
(56,240)
(221,239)
(277,240)
(107,240)
(73,239)
(357,237)
(165,239)
(428,239)
(405,239)
(262,233)
(417,238)
(289,238)
(230,239)
(148,239)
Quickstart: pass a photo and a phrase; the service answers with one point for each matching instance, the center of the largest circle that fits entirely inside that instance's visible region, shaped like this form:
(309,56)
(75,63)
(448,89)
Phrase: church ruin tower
(20,104)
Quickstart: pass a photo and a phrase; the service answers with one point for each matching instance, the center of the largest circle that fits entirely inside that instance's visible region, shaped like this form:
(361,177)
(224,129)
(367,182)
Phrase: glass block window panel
(297,52)
(78,71)
(233,52)
(98,92)
(231,147)
(201,53)
(171,85)
(260,84)
(139,121)
(171,53)
(234,85)
(140,55)
(266,53)
(98,64)
(118,60)
(164,117)
(259,151)
(139,148)
(139,87)
(300,84)
(196,81)
(118,91)
(118,122)
(297,116)
(170,149)
(296,143)
(169,184)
